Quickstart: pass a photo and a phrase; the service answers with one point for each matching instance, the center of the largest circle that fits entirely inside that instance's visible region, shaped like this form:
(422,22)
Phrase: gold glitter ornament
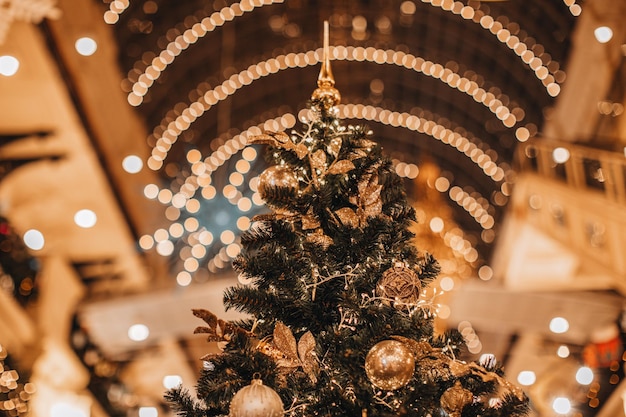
(256,400)
(399,285)
(276,176)
(455,399)
(389,365)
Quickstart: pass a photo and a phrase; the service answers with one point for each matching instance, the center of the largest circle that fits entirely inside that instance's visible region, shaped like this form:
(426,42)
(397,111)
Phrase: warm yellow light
(603,34)
(436,224)
(561,405)
(183,279)
(165,248)
(526,378)
(176,230)
(86,46)
(172,381)
(446,284)
(33,239)
(146,242)
(485,273)
(233,250)
(191,224)
(559,325)
(560,155)
(227,237)
(562,351)
(244,204)
(132,164)
(138,332)
(442,184)
(243,223)
(85,218)
(191,264)
(8,65)
(148,412)
(205,237)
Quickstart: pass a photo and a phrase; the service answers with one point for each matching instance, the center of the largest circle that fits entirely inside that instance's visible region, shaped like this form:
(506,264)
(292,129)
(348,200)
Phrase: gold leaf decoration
(280,140)
(301,150)
(320,238)
(309,221)
(419,348)
(306,351)
(348,217)
(294,355)
(217,329)
(356,154)
(285,341)
(455,399)
(318,160)
(341,167)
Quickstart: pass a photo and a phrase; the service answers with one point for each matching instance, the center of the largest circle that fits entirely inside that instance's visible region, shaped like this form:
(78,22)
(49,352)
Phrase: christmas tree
(339,322)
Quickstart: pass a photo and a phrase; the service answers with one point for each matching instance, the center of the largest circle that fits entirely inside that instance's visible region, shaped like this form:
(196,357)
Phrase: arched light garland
(522,49)
(477,207)
(116,8)
(203,169)
(199,237)
(167,133)
(199,30)
(429,127)
(574,8)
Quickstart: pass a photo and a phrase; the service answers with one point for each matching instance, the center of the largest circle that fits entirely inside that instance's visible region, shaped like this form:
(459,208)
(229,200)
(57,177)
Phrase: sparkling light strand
(199,30)
(167,133)
(519,46)
(429,127)
(478,208)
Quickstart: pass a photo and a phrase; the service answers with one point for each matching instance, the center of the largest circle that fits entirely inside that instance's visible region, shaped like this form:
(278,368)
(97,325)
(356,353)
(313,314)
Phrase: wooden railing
(578,166)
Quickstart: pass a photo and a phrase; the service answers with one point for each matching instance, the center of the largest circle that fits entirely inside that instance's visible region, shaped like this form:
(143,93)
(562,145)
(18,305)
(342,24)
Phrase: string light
(435,130)
(168,131)
(160,62)
(506,36)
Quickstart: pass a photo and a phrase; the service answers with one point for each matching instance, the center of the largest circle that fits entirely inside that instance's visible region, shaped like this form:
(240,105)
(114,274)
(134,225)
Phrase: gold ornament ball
(389,365)
(256,400)
(276,176)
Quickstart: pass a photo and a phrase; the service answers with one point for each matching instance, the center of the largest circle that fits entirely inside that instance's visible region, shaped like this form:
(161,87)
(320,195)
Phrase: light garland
(200,178)
(199,30)
(168,131)
(435,130)
(521,48)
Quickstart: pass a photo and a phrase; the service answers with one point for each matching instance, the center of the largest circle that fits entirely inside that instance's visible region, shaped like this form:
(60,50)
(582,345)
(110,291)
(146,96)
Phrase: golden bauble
(389,365)
(274,177)
(256,400)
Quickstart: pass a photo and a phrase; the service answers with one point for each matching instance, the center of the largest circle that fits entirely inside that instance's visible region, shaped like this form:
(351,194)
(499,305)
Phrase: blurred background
(125,180)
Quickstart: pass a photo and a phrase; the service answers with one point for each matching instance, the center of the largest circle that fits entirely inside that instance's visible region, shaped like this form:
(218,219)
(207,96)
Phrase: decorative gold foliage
(319,237)
(280,140)
(341,167)
(455,399)
(441,366)
(290,355)
(368,202)
(218,330)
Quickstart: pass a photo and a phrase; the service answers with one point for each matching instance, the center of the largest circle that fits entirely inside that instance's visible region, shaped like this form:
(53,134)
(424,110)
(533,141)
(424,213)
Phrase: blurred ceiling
(454,84)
